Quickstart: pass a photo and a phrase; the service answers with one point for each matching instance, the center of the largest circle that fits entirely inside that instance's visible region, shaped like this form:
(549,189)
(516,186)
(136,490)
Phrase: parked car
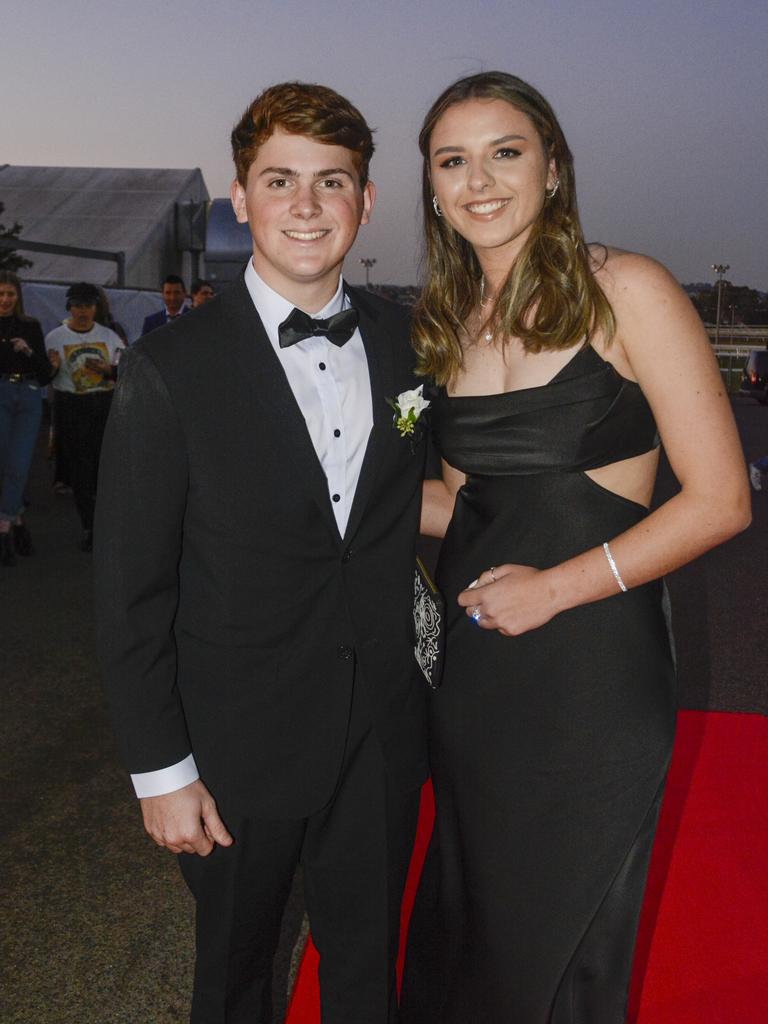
(755,380)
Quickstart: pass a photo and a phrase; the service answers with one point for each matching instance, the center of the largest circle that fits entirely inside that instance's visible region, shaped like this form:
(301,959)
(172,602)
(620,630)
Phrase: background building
(156,218)
(228,244)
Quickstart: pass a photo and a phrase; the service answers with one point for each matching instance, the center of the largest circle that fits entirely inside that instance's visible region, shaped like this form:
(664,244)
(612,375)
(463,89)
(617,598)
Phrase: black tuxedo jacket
(232,616)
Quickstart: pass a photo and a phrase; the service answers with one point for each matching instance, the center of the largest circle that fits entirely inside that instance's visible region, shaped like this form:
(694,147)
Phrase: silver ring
(476,614)
(492,571)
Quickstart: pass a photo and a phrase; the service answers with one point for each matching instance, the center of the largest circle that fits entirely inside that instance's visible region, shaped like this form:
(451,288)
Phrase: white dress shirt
(332,389)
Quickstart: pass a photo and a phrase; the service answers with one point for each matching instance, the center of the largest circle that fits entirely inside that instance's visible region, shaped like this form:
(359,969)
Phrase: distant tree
(750,307)
(9,258)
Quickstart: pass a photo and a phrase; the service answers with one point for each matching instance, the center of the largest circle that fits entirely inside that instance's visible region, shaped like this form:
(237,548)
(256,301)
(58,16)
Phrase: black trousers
(354,854)
(80,423)
(64,437)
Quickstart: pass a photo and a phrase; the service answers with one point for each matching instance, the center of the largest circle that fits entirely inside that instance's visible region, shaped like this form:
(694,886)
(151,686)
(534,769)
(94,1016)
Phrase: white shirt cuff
(166,780)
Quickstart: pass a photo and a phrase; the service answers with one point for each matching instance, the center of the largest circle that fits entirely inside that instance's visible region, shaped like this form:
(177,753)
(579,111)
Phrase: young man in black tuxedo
(255,538)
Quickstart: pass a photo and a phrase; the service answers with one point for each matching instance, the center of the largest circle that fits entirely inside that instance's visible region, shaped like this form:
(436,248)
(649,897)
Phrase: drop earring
(553,191)
(436,207)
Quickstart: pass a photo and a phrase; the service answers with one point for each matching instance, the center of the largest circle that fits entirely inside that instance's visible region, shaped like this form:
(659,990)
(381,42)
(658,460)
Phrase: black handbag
(429,622)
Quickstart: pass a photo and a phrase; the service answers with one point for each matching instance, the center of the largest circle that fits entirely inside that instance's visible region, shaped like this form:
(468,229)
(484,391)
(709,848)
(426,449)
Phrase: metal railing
(731,359)
(70,250)
(737,334)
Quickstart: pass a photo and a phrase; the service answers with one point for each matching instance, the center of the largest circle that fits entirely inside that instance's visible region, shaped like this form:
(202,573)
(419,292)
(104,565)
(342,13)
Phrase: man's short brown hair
(300,108)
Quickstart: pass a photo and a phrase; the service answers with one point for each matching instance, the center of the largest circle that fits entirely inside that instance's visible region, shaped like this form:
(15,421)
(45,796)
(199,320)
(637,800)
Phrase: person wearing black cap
(84,356)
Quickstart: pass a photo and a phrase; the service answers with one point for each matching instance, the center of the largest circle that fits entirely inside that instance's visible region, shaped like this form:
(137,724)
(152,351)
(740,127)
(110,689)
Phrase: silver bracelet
(614,570)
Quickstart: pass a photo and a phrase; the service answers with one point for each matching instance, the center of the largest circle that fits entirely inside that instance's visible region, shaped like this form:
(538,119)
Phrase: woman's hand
(20,345)
(510,598)
(438,501)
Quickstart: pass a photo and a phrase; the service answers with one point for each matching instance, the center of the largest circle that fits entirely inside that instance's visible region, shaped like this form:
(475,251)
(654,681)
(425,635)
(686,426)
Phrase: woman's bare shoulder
(624,274)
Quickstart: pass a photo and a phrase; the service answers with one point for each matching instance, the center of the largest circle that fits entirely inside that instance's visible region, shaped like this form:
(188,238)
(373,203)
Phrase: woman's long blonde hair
(550,298)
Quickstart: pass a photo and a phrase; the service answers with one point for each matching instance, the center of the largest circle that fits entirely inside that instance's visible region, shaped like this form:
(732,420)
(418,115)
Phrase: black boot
(22,539)
(7,556)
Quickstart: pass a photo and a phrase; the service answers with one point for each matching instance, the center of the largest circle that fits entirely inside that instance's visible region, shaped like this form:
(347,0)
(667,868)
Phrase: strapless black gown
(549,750)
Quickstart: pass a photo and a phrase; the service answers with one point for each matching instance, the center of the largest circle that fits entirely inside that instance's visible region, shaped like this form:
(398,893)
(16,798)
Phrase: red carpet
(702,950)
(702,955)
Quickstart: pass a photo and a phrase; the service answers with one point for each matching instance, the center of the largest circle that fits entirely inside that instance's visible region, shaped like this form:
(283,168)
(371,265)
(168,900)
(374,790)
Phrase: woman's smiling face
(8,299)
(489,170)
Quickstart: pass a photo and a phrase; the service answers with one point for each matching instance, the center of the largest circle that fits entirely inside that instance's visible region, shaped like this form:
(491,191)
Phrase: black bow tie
(338,329)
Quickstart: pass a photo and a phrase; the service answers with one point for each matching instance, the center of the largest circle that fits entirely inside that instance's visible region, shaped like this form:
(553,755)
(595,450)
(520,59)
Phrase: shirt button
(346,557)
(321,365)
(336,497)
(337,433)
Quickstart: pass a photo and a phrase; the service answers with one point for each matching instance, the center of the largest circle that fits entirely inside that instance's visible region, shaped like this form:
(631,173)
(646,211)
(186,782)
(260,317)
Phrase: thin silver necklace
(488,336)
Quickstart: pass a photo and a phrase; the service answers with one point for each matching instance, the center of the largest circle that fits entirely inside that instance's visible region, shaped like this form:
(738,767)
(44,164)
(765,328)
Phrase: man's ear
(237,195)
(369,198)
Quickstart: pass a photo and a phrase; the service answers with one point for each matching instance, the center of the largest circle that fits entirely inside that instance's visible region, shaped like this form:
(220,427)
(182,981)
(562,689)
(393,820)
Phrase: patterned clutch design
(429,620)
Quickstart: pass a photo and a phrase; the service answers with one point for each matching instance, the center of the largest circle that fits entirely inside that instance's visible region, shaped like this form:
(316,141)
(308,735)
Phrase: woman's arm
(33,346)
(438,500)
(669,353)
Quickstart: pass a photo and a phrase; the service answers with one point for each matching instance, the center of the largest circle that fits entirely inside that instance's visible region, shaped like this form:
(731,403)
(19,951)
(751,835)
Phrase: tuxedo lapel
(265,377)
(378,352)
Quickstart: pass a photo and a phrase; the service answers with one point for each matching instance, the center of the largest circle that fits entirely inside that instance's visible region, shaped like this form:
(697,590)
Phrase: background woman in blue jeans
(24,370)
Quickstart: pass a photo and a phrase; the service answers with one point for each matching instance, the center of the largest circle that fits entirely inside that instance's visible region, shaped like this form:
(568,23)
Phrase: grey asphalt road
(96,922)
(720,601)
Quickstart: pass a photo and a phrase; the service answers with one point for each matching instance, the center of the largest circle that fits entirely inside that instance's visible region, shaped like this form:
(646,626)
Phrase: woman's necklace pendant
(488,336)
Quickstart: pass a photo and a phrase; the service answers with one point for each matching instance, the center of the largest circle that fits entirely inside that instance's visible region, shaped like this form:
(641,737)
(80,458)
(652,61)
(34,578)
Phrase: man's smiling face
(304,204)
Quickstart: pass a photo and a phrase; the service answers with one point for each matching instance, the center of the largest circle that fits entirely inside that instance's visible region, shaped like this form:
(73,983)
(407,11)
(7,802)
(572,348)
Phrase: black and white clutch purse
(429,620)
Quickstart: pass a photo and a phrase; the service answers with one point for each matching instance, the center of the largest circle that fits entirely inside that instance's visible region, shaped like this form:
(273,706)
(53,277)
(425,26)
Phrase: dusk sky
(663,102)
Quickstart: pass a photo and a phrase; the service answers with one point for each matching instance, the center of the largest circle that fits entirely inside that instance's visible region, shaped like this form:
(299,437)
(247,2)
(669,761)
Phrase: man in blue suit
(174,296)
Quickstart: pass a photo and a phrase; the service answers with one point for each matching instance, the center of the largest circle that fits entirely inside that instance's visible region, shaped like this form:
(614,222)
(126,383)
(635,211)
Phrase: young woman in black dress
(560,368)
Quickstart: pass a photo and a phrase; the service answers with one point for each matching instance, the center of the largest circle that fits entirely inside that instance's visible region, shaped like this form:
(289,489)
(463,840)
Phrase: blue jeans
(21,407)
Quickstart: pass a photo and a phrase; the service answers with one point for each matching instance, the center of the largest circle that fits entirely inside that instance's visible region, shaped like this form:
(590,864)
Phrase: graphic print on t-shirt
(84,377)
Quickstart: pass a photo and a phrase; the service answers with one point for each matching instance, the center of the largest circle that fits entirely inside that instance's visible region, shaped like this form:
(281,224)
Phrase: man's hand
(98,365)
(185,821)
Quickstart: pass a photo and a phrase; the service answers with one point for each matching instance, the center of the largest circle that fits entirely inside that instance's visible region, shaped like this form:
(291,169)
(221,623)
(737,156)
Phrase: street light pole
(367,263)
(733,320)
(719,269)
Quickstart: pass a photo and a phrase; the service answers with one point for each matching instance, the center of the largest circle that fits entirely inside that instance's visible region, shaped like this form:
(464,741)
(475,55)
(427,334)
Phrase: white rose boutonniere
(408,406)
